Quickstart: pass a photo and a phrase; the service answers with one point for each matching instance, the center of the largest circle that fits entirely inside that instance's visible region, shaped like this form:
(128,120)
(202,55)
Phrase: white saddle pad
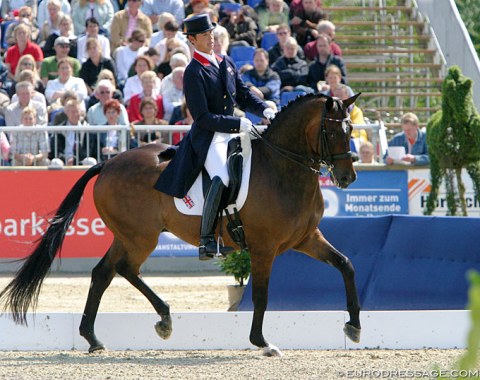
(192,203)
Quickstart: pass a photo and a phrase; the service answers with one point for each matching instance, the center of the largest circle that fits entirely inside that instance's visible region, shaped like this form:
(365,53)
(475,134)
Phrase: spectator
(149,116)
(134,85)
(25,16)
(333,79)
(241,28)
(413,140)
(59,116)
(324,27)
(196,7)
(126,21)
(367,154)
(170,42)
(117,94)
(4,150)
(65,81)
(65,30)
(42,12)
(187,119)
(52,22)
(343,92)
(276,51)
(95,63)
(92,28)
(262,80)
(101,10)
(316,70)
(49,69)
(24,91)
(29,149)
(304,21)
(173,96)
(154,8)
(66,145)
(158,36)
(32,77)
(276,14)
(221,40)
(148,79)
(8,6)
(22,46)
(125,55)
(109,141)
(177,60)
(96,114)
(291,69)
(27,63)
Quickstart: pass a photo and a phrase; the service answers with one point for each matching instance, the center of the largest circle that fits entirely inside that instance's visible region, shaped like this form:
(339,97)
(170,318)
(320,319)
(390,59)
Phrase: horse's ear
(329,103)
(348,102)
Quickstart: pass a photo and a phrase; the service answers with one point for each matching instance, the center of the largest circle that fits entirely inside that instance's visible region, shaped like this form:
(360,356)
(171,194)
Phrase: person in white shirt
(92,28)
(133,85)
(24,91)
(42,13)
(158,36)
(95,114)
(174,96)
(177,60)
(125,55)
(170,30)
(65,81)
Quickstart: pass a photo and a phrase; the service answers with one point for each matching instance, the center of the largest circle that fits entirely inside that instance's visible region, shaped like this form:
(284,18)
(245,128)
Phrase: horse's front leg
(316,246)
(260,277)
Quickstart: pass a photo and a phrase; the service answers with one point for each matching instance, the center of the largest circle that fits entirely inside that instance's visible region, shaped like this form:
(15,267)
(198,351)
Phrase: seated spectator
(262,80)
(367,154)
(241,28)
(65,81)
(133,85)
(58,115)
(149,116)
(177,60)
(125,55)
(103,92)
(276,14)
(27,63)
(117,94)
(324,27)
(413,140)
(170,42)
(359,136)
(196,7)
(42,11)
(148,83)
(92,28)
(187,119)
(276,51)
(101,10)
(50,64)
(221,40)
(8,6)
(109,141)
(22,46)
(4,150)
(52,22)
(174,95)
(29,149)
(153,54)
(154,10)
(316,70)
(291,69)
(125,22)
(65,30)
(333,79)
(304,21)
(66,145)
(95,63)
(25,91)
(164,69)
(32,77)
(162,19)
(25,16)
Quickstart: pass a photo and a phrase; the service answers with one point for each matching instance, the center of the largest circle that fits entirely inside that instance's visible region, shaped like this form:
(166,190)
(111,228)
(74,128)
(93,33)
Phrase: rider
(212,87)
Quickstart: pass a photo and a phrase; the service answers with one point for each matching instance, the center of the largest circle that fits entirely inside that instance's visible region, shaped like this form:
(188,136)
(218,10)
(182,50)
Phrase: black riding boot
(208,244)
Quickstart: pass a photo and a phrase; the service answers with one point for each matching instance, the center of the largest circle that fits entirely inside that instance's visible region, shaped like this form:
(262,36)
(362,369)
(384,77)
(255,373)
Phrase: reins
(310,163)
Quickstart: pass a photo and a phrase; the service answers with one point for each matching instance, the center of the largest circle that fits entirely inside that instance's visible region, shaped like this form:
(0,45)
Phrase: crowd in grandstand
(73,62)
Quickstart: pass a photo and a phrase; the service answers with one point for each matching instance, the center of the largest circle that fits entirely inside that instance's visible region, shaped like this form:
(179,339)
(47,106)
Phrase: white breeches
(216,162)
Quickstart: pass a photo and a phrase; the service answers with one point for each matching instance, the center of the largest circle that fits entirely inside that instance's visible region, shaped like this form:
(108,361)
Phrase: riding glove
(269,113)
(245,125)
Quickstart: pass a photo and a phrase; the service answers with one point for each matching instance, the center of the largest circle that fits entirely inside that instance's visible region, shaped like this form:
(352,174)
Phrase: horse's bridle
(326,160)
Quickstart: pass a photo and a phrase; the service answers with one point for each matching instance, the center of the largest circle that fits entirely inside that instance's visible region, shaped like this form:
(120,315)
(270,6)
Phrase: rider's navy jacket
(211,94)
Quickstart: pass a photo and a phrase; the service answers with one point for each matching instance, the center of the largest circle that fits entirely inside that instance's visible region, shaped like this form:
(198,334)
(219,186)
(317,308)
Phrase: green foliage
(238,265)
(470,12)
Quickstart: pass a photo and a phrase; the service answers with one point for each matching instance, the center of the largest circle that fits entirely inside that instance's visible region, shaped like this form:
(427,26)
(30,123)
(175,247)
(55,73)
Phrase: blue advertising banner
(374,193)
(171,246)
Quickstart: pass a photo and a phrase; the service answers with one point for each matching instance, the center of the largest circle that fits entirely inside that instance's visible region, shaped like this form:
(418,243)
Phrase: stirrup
(212,248)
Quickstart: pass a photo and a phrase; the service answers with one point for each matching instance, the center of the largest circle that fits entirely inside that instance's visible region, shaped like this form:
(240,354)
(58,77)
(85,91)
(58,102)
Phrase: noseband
(326,160)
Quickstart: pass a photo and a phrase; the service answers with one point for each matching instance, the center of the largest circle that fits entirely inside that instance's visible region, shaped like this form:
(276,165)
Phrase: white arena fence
(117,138)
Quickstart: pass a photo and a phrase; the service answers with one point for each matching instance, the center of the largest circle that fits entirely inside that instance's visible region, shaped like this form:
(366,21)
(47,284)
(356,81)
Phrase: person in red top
(22,46)
(148,83)
(324,27)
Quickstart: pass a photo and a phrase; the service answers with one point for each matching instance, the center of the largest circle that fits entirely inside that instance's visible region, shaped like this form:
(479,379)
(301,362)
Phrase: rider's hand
(269,113)
(245,125)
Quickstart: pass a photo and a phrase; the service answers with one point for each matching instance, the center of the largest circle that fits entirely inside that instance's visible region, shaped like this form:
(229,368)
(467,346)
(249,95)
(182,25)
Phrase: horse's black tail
(22,292)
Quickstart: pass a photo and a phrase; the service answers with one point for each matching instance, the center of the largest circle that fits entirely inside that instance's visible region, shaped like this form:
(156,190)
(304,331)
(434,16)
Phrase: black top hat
(198,24)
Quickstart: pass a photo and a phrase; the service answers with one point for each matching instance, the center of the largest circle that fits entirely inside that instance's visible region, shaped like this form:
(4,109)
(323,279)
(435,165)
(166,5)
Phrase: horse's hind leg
(316,246)
(131,274)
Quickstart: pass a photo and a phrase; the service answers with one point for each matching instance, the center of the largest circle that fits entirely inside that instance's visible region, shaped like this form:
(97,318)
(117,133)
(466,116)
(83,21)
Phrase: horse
(281,212)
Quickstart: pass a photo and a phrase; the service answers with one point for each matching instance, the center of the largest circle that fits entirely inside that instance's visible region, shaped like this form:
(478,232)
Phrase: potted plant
(238,265)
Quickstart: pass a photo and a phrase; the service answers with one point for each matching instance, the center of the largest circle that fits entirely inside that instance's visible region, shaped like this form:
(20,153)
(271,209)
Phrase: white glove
(269,113)
(245,125)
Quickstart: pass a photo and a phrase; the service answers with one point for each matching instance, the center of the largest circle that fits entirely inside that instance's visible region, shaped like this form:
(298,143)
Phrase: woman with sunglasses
(65,30)
(27,63)
(102,10)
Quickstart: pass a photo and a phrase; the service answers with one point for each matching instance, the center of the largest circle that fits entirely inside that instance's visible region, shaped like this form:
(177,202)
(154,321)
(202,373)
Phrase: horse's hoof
(164,329)
(271,350)
(352,332)
(97,347)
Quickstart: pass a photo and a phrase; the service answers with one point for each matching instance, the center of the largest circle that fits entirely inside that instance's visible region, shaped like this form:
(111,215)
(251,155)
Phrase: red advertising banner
(29,197)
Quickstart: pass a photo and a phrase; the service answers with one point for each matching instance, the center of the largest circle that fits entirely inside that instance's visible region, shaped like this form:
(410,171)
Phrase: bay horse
(282,211)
